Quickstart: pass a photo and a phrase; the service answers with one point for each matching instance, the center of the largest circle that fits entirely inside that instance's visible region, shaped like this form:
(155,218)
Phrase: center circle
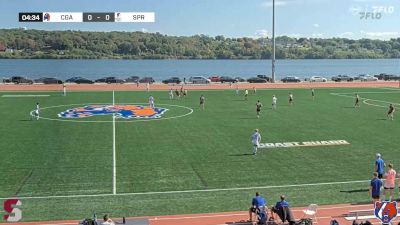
(189,111)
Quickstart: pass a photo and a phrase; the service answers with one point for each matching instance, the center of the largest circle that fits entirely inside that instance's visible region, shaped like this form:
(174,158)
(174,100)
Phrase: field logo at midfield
(121,111)
(386,211)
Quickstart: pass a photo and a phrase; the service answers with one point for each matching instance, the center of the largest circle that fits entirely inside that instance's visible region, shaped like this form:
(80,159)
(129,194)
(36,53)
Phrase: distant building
(9,50)
(2,47)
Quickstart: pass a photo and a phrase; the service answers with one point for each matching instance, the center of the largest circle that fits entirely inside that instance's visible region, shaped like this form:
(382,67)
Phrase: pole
(273,41)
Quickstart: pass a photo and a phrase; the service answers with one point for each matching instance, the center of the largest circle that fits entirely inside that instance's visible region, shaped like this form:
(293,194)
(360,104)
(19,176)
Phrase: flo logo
(14,214)
(386,211)
(120,111)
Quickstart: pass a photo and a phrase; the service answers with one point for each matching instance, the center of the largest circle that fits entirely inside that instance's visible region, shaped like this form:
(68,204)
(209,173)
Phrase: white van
(199,80)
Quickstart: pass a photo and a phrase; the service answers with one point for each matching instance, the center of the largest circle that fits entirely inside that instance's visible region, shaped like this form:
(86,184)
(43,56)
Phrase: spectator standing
(389,182)
(379,165)
(375,188)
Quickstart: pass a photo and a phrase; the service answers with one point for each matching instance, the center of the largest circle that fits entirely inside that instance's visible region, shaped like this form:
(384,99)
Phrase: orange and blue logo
(386,211)
(120,111)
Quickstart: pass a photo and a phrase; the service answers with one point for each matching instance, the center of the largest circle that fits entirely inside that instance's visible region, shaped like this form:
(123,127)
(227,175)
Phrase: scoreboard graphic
(79,17)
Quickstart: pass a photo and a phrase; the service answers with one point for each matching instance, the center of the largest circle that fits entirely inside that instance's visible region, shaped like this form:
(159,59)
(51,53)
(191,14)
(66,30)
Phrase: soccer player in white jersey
(36,112)
(151,101)
(290,99)
(255,140)
(274,99)
(313,94)
(64,90)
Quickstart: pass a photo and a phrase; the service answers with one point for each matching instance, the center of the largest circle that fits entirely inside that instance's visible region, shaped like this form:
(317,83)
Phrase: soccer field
(190,160)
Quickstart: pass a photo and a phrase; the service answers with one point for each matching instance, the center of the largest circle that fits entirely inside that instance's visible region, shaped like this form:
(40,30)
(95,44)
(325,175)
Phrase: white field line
(366,102)
(366,92)
(366,99)
(114,155)
(189,191)
(392,89)
(232,214)
(246,213)
(55,223)
(22,96)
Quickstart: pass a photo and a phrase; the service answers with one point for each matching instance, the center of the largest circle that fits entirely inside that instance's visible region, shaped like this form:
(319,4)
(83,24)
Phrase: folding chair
(311,211)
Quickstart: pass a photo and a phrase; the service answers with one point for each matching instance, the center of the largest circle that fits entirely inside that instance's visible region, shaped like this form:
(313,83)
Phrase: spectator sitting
(107,221)
(257,204)
(282,209)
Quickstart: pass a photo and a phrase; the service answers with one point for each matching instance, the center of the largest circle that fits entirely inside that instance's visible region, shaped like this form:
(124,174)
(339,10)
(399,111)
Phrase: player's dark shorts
(258,110)
(253,209)
(390,112)
(390,188)
(380,175)
(375,197)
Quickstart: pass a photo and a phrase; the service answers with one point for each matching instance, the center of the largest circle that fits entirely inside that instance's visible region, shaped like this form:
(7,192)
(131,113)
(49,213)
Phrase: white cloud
(355,10)
(144,30)
(268,3)
(261,33)
(316,25)
(366,0)
(317,35)
(380,35)
(348,34)
(291,35)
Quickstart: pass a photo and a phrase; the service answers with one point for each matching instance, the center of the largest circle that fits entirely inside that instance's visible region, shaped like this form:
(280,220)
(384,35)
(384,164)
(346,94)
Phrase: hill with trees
(39,44)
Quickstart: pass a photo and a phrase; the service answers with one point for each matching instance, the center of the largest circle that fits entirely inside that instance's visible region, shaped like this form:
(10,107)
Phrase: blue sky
(231,18)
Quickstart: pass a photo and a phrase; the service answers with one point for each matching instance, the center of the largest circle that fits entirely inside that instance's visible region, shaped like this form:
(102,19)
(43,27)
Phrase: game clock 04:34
(30,17)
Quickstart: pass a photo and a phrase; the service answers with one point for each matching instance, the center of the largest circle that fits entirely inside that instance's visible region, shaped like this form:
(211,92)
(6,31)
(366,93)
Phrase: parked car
(18,80)
(79,80)
(147,80)
(385,76)
(269,79)
(368,78)
(110,80)
(215,78)
(290,79)
(72,79)
(339,78)
(256,80)
(199,80)
(318,79)
(360,77)
(392,77)
(48,80)
(227,79)
(240,79)
(172,80)
(132,79)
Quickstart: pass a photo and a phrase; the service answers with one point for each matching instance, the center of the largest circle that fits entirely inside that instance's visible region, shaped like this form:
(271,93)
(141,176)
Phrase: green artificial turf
(206,150)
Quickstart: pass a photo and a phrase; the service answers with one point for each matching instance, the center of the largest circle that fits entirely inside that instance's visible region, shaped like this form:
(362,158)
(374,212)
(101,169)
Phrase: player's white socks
(254,150)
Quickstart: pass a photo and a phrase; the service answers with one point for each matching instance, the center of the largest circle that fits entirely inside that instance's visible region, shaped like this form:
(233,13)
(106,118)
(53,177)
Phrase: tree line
(40,44)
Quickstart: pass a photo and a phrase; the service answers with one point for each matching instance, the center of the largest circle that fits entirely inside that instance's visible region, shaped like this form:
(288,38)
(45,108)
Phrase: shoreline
(212,86)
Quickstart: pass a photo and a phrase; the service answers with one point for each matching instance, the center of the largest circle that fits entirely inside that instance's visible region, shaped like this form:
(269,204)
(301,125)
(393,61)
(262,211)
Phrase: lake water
(162,69)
